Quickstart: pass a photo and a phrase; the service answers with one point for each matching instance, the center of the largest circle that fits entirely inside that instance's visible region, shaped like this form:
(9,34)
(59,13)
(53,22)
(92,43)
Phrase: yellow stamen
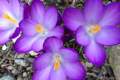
(95,29)
(9,18)
(57,63)
(39,28)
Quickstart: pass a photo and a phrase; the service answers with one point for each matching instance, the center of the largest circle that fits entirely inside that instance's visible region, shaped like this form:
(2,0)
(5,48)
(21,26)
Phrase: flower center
(57,63)
(10,18)
(94,29)
(39,28)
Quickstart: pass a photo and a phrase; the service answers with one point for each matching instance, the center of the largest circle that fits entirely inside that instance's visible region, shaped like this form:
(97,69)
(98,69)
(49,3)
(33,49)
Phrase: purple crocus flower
(95,27)
(38,24)
(11,13)
(57,63)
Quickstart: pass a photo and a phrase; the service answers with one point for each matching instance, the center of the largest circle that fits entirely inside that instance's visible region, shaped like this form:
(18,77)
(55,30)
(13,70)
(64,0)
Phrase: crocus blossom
(39,23)
(11,13)
(57,63)
(95,27)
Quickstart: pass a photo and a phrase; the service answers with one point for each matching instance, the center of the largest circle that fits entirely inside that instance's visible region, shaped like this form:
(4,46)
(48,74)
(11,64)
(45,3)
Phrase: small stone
(19,78)
(21,62)
(7,77)
(24,74)
(9,67)
(29,68)
(15,72)
(88,64)
(32,53)
(20,56)
(4,47)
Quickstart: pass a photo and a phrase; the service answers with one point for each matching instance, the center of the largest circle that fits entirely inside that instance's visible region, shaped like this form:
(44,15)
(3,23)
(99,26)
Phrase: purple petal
(38,44)
(16,7)
(82,37)
(75,71)
(50,19)
(69,55)
(37,10)
(58,75)
(28,27)
(96,54)
(42,74)
(4,6)
(6,35)
(109,35)
(73,18)
(53,44)
(57,32)
(26,12)
(16,33)
(24,44)
(42,61)
(4,24)
(93,10)
(112,15)
(59,18)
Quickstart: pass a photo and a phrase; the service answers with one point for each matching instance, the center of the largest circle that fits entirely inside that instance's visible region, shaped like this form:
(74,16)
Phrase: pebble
(32,53)
(24,74)
(88,64)
(10,67)
(4,47)
(20,56)
(15,72)
(7,77)
(21,62)
(19,78)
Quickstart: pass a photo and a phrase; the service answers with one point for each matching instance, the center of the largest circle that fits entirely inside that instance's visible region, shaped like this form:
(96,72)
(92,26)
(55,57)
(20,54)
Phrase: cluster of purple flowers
(94,27)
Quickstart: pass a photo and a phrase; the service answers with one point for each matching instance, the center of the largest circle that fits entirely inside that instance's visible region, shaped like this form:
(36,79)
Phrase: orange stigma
(57,63)
(10,18)
(95,29)
(39,28)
